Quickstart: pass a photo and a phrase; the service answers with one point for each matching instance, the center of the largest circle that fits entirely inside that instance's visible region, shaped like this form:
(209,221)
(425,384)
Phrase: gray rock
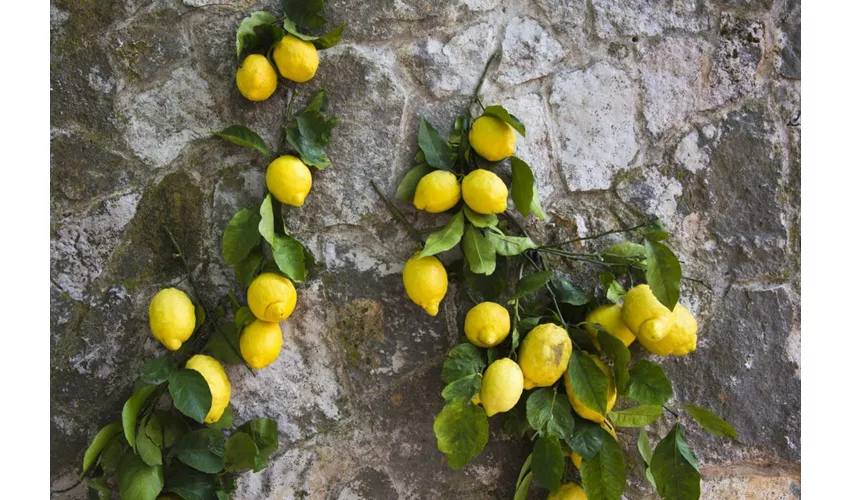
(528,52)
(790,40)
(636,17)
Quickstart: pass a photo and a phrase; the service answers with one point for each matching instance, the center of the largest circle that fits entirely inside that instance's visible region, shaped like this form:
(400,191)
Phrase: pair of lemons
(271,298)
(296,59)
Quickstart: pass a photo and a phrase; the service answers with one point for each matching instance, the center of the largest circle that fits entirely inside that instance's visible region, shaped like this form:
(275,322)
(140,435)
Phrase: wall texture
(688,109)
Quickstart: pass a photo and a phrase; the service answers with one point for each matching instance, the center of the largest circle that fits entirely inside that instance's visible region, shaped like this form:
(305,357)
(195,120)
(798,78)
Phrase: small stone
(690,155)
(747,487)
(528,52)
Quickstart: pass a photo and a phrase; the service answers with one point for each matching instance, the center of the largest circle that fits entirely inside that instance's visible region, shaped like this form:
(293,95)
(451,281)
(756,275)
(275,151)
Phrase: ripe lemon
(575,458)
(289,180)
(256,78)
(580,407)
(296,59)
(568,491)
(610,317)
(437,192)
(260,343)
(492,138)
(216,378)
(487,324)
(271,297)
(172,317)
(501,386)
(485,192)
(659,330)
(544,354)
(426,282)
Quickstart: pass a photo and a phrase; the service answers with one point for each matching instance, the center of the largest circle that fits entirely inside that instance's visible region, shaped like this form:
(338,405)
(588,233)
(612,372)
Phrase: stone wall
(688,109)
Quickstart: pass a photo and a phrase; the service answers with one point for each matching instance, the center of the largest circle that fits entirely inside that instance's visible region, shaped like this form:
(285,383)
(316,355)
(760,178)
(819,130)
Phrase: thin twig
(412,231)
(694,280)
(671,411)
(475,94)
(287,117)
(595,236)
(69,488)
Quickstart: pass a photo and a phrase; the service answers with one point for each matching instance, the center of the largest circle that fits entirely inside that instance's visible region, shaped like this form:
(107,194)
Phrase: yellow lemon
(501,386)
(575,458)
(610,317)
(544,354)
(296,59)
(437,192)
(172,317)
(492,138)
(580,407)
(216,378)
(568,491)
(260,343)
(487,324)
(426,282)
(485,192)
(256,78)
(659,330)
(271,297)
(289,180)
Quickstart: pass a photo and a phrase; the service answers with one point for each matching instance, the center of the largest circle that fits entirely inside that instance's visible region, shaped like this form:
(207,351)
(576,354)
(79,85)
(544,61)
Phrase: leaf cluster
(261,31)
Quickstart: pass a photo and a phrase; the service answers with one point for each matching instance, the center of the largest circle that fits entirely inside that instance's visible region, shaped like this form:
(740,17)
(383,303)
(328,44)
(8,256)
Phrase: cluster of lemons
(425,278)
(296,60)
(271,299)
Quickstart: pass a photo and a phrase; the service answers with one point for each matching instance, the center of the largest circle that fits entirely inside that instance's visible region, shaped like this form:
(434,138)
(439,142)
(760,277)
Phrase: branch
(396,213)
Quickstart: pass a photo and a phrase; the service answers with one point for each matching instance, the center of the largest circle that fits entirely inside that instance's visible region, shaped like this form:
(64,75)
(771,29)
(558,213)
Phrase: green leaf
(549,413)
(311,132)
(588,381)
(502,114)
(463,360)
(268,34)
(526,468)
(191,484)
(307,13)
(648,384)
(489,287)
(407,187)
(191,394)
(515,423)
(240,451)
(330,38)
(202,449)
(674,467)
(138,480)
(243,136)
(587,438)
(480,220)
(479,252)
(290,27)
(446,238)
(246,268)
(288,254)
(522,185)
(149,451)
(245,37)
(111,455)
(582,339)
(462,432)
(644,447)
(604,475)
(219,347)
(711,421)
(522,489)
(547,462)
(614,291)
(654,231)
(618,353)
(536,207)
(624,253)
(637,416)
(243,316)
(225,420)
(531,283)
(173,427)
(566,293)
(266,223)
(156,371)
(509,246)
(98,489)
(130,412)
(98,444)
(436,151)
(264,433)
(464,388)
(663,273)
(240,235)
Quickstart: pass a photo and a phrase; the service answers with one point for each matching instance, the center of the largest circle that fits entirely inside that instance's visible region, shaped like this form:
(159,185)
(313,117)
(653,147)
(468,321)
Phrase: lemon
(492,138)
(256,78)
(296,59)
(216,378)
(659,330)
(487,324)
(485,192)
(289,180)
(610,317)
(260,343)
(271,297)
(437,192)
(575,458)
(501,386)
(172,317)
(568,491)
(544,354)
(426,282)
(580,407)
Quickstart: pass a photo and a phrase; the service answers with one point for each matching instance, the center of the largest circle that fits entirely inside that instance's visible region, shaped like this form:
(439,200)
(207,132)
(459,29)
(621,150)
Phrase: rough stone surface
(685,109)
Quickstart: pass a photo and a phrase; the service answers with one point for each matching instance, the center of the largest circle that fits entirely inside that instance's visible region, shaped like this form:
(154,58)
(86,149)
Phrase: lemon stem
(475,94)
(595,236)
